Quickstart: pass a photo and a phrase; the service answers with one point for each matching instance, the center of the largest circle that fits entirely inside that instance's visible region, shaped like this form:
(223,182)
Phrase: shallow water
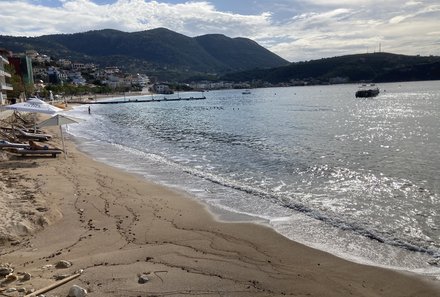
(355,177)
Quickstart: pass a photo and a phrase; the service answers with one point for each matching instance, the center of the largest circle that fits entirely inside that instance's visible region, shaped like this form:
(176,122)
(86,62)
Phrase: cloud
(190,18)
(294,29)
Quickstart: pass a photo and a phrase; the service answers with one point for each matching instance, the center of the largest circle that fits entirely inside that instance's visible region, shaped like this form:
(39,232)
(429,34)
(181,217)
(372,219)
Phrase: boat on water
(246,92)
(366,91)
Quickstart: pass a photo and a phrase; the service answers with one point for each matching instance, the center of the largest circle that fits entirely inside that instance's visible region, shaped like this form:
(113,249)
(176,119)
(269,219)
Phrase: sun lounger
(33,129)
(7,144)
(36,136)
(24,151)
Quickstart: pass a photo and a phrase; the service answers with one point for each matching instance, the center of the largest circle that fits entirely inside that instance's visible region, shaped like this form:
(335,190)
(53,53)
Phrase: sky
(297,30)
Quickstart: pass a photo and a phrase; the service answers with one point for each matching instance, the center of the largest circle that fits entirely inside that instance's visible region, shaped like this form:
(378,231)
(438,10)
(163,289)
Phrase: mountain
(239,52)
(158,50)
(376,67)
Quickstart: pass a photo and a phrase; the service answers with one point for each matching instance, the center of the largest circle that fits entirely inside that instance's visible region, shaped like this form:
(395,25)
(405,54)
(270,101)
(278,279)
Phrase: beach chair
(35,136)
(53,152)
(8,144)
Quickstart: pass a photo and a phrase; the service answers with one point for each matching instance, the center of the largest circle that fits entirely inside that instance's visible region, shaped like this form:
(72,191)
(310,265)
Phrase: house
(42,59)
(141,80)
(64,63)
(32,54)
(56,76)
(114,80)
(111,70)
(162,88)
(78,66)
(76,78)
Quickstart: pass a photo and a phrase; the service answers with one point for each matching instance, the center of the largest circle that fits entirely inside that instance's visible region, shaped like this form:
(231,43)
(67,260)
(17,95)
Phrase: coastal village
(23,75)
(37,74)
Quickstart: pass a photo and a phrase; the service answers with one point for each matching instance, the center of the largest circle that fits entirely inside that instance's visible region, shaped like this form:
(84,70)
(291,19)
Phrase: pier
(131,100)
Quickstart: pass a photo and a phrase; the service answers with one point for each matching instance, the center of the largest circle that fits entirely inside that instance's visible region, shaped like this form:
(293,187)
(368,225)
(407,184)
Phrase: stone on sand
(63,264)
(77,291)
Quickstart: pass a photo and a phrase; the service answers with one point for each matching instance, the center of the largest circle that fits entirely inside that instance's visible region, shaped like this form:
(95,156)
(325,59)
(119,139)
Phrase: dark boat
(366,91)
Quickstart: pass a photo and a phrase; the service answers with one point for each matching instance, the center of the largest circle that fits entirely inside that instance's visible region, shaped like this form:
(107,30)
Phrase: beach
(116,227)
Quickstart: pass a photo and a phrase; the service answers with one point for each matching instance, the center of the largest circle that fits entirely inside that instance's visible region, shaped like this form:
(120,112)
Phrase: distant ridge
(374,67)
(158,50)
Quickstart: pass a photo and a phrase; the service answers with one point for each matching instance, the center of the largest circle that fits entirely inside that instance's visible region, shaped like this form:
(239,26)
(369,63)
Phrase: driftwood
(54,285)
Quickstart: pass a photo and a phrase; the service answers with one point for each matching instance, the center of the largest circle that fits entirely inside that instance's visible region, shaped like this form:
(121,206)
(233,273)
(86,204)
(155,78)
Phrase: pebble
(143,278)
(434,262)
(63,264)
(10,290)
(30,291)
(26,277)
(60,276)
(77,291)
(11,278)
(4,270)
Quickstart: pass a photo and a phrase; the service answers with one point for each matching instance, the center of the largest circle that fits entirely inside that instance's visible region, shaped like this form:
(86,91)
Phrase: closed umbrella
(59,120)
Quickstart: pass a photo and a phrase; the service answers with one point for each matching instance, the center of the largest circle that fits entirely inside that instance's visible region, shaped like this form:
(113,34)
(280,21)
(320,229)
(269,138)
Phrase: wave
(287,202)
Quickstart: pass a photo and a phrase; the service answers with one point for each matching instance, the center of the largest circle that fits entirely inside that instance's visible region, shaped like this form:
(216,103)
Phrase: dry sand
(116,226)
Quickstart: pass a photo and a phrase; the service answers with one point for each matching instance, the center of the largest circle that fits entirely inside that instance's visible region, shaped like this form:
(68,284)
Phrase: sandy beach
(116,227)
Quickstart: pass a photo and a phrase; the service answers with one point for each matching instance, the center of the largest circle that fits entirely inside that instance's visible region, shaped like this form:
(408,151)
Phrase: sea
(356,177)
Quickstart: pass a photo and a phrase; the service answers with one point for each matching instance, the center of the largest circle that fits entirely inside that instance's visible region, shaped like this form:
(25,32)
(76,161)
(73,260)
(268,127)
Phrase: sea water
(358,178)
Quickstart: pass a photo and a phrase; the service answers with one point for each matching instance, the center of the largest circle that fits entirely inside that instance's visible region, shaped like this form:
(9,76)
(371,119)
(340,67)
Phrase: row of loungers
(20,133)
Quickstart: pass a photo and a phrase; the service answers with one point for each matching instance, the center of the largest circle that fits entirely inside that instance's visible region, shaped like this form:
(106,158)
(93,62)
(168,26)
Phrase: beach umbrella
(33,105)
(59,120)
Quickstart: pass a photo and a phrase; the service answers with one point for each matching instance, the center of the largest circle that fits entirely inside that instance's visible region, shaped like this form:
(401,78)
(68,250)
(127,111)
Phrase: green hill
(376,67)
(241,53)
(157,50)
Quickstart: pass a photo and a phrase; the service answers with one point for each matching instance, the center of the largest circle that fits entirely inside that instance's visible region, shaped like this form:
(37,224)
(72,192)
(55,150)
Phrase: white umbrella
(34,105)
(59,120)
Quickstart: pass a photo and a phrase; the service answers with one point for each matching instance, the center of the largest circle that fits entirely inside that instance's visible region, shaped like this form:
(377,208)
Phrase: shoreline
(116,225)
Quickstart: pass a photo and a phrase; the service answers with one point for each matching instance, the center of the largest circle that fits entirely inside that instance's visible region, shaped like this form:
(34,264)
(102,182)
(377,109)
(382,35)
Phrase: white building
(3,85)
(64,63)
(42,59)
(76,78)
(78,66)
(114,81)
(140,80)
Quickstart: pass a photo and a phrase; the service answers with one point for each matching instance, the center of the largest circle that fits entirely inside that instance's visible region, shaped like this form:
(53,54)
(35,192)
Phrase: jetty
(133,100)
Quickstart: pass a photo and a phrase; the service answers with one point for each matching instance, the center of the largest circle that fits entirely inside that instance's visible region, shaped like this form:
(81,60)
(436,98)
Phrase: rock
(26,277)
(21,290)
(30,291)
(24,227)
(48,266)
(11,278)
(10,290)
(4,271)
(63,264)
(434,262)
(60,276)
(77,291)
(143,278)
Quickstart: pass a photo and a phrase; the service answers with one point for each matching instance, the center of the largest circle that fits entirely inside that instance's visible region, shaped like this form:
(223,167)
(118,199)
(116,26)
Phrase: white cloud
(315,28)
